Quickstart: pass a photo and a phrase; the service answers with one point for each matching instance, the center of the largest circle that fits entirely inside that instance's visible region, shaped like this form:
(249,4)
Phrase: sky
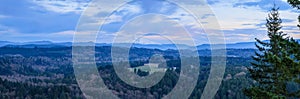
(57,20)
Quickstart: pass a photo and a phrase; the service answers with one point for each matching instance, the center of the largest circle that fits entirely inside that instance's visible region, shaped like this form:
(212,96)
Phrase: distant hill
(48,44)
(4,43)
(242,45)
(38,43)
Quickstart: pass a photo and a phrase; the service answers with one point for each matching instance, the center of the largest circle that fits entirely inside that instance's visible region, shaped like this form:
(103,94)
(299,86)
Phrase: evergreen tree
(276,64)
(294,3)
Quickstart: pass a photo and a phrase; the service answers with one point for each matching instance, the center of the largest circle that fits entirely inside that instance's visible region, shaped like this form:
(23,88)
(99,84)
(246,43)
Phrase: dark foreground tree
(276,64)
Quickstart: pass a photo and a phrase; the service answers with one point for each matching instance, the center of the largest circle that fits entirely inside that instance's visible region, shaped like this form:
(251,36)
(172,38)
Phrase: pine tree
(294,3)
(276,64)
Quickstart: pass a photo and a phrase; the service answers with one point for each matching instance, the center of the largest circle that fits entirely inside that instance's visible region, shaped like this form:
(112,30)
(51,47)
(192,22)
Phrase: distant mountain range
(48,44)
(241,45)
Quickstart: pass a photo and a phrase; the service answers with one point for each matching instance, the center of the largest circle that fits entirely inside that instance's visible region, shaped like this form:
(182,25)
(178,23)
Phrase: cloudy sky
(57,20)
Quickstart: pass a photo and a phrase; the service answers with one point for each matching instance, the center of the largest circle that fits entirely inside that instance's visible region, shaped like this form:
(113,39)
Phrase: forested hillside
(48,73)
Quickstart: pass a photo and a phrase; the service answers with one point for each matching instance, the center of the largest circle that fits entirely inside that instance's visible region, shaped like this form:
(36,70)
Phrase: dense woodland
(48,73)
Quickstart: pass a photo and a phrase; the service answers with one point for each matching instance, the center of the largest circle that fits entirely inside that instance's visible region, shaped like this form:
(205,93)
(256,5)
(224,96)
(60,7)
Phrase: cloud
(62,6)
(146,25)
(12,35)
(24,18)
(244,26)
(264,4)
(246,35)
(124,13)
(3,16)
(241,20)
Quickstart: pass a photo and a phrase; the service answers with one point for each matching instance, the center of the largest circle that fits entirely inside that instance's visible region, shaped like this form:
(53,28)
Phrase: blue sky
(56,20)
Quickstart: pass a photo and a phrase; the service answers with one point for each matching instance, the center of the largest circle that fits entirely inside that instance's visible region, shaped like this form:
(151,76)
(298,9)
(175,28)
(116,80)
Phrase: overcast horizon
(56,21)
